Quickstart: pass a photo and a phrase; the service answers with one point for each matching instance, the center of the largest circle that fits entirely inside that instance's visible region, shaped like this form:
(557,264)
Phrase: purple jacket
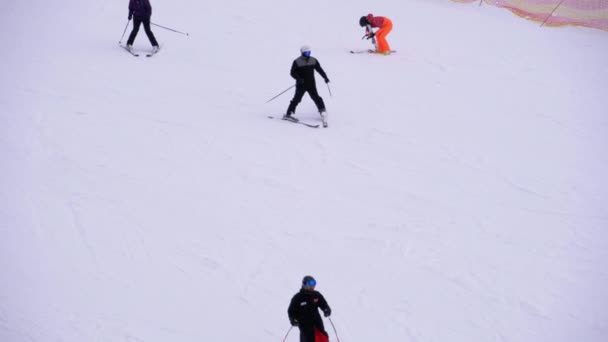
(140,8)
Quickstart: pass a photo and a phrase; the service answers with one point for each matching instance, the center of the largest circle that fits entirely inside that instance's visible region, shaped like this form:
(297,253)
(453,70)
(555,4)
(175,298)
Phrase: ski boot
(289,117)
(323,114)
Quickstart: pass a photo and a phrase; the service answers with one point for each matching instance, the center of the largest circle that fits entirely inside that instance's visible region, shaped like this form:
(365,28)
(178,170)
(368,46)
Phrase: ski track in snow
(82,233)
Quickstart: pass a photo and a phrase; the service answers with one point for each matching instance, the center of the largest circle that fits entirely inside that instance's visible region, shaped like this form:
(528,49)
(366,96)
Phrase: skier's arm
(324,306)
(370,34)
(131,9)
(291,311)
(321,71)
(293,72)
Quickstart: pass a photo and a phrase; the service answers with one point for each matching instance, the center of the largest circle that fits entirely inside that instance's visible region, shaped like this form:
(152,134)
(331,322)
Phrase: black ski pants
(307,334)
(137,21)
(300,91)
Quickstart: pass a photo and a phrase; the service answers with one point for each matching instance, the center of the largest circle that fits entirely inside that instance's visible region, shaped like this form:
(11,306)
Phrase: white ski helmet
(305,48)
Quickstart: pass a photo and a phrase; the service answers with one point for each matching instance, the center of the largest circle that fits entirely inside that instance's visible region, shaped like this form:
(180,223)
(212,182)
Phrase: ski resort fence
(589,13)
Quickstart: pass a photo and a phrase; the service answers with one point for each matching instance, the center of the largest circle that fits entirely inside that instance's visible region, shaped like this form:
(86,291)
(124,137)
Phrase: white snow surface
(459,193)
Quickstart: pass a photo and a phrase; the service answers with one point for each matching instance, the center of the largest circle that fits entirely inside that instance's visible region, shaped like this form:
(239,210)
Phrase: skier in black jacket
(303,71)
(303,311)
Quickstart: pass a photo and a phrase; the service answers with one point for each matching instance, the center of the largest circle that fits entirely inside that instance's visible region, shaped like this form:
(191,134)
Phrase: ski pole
(328,88)
(125,31)
(335,331)
(373,40)
(285,339)
(170,29)
(283,92)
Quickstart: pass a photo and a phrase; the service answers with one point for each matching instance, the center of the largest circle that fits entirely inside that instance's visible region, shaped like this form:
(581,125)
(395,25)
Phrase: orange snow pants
(381,35)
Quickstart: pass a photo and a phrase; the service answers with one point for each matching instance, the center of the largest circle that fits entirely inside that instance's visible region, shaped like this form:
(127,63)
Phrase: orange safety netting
(590,13)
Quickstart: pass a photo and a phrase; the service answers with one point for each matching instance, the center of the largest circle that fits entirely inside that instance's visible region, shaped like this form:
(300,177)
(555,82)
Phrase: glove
(293,321)
(326,80)
(300,81)
(130,15)
(371,35)
(327,312)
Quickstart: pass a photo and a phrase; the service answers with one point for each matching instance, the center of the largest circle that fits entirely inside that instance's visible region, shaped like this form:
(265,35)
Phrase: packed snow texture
(459,193)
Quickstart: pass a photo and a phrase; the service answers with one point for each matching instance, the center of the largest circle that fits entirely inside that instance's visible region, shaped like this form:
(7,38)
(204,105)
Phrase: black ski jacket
(304,308)
(140,8)
(303,68)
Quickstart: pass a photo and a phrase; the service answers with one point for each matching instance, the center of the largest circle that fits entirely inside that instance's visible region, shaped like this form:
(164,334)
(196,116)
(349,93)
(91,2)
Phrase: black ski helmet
(309,281)
(363,21)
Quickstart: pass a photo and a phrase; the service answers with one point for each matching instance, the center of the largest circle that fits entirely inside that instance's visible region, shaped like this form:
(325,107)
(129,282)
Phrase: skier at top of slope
(141,12)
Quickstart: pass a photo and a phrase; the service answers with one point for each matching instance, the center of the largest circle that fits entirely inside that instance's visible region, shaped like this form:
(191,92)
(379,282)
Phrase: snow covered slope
(459,193)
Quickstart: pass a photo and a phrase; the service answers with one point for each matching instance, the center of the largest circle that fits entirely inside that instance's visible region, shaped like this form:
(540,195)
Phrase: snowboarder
(303,71)
(141,11)
(303,312)
(385,26)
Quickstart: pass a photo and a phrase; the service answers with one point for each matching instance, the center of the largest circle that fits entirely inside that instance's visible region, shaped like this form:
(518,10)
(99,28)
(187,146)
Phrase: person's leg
(314,95)
(136,24)
(149,33)
(297,97)
(307,334)
(321,336)
(381,36)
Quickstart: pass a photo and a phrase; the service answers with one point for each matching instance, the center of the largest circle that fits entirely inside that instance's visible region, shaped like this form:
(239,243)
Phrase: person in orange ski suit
(384,25)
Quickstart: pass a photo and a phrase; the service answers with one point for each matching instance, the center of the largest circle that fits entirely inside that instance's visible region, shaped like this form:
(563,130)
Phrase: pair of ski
(367,51)
(300,122)
(134,54)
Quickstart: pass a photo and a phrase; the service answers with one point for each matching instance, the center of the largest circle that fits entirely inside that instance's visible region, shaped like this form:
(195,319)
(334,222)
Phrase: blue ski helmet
(309,281)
